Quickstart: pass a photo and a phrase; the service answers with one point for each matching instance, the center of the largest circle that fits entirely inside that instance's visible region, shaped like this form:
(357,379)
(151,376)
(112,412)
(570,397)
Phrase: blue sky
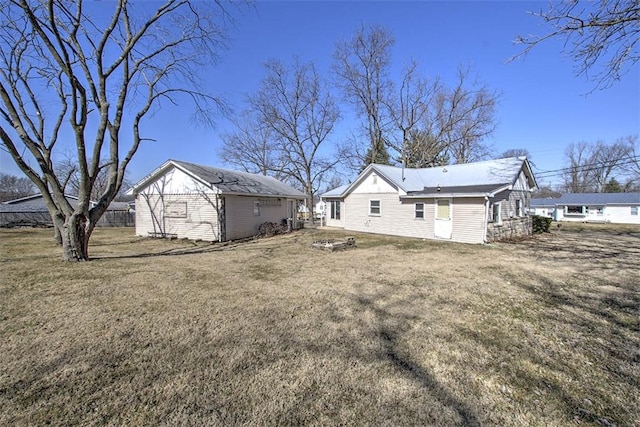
(543,105)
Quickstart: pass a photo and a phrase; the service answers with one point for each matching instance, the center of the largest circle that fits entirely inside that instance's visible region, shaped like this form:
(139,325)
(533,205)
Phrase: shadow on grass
(391,351)
(588,334)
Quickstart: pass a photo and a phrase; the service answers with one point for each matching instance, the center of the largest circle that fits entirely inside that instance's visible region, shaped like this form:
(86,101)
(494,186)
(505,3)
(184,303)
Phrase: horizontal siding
(241,221)
(343,213)
(200,220)
(398,217)
(621,214)
(468,220)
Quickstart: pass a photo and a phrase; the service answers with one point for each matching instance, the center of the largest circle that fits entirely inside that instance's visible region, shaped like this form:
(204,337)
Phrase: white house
(591,207)
(200,202)
(472,203)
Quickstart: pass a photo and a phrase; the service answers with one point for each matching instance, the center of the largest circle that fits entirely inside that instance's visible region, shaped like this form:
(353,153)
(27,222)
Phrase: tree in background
(602,34)
(68,71)
(466,117)
(592,165)
(612,186)
(15,187)
(409,108)
(300,113)
(361,66)
(69,172)
(515,152)
(251,146)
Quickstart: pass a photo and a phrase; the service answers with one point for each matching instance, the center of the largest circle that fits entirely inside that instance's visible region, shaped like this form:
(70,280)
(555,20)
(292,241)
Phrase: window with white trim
(574,210)
(374,207)
(519,211)
(256,208)
(496,213)
(335,209)
(634,210)
(419,210)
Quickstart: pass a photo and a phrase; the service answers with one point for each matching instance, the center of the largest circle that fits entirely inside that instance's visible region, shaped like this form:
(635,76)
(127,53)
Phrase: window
(375,178)
(634,210)
(497,214)
(374,207)
(175,210)
(419,210)
(256,208)
(270,202)
(519,208)
(335,209)
(444,209)
(574,210)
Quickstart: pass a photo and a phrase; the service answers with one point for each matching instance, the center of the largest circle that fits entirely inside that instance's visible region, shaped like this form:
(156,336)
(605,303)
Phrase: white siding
(332,222)
(373,183)
(196,219)
(622,214)
(397,217)
(468,220)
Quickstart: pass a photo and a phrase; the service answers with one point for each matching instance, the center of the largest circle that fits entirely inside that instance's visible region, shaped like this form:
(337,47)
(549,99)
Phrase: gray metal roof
(235,182)
(590,199)
(336,192)
(489,175)
(466,189)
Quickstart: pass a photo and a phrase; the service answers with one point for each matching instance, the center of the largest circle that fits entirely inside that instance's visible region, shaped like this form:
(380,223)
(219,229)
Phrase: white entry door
(444,224)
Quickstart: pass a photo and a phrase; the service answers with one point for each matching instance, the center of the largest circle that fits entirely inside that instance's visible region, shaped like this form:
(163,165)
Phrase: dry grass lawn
(271,332)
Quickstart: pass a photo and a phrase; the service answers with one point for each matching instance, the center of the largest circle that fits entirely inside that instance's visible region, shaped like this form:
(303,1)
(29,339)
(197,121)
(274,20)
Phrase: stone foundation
(509,229)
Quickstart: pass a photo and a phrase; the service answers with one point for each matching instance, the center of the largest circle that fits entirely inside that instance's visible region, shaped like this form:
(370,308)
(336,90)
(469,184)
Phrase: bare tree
(65,70)
(631,163)
(515,152)
(252,147)
(603,33)
(69,172)
(15,187)
(592,165)
(361,66)
(301,113)
(466,117)
(408,109)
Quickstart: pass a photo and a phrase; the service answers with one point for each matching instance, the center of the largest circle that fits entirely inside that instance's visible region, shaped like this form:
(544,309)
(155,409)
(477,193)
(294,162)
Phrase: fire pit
(334,245)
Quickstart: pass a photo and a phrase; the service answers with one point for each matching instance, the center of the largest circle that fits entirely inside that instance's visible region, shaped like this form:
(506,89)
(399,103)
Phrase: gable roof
(226,181)
(469,178)
(590,199)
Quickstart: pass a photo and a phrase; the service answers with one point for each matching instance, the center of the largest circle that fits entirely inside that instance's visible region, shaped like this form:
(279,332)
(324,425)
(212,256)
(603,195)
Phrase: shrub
(541,224)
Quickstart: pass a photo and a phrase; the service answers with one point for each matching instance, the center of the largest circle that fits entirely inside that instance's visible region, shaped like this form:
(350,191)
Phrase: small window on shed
(419,210)
(374,177)
(256,208)
(519,211)
(634,210)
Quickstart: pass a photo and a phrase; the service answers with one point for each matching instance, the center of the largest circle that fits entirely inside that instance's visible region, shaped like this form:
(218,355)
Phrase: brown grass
(271,332)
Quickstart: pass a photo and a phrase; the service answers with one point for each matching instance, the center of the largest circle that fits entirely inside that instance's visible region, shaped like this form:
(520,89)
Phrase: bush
(541,224)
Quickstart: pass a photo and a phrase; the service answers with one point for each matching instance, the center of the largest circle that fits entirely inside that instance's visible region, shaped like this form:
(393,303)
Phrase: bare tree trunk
(75,238)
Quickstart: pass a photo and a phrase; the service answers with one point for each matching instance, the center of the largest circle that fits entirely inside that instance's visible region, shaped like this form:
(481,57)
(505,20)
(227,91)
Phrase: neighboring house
(205,203)
(591,207)
(472,203)
(33,209)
